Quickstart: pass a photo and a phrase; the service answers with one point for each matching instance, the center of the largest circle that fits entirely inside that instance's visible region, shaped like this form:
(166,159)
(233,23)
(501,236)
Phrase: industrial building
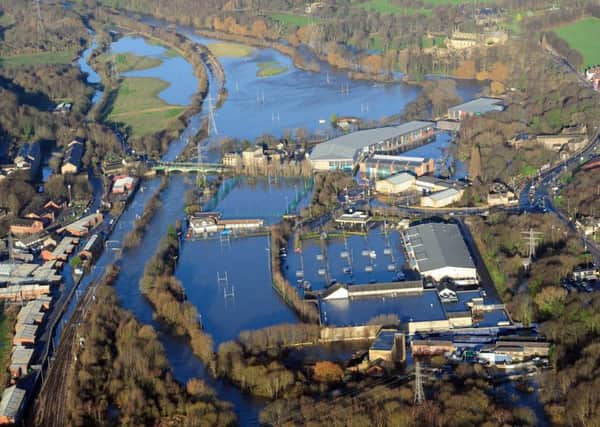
(475,107)
(344,152)
(383,165)
(442,198)
(389,346)
(396,184)
(438,250)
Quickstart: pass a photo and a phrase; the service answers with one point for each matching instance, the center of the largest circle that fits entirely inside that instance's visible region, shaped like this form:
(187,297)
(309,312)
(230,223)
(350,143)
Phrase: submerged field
(232,50)
(583,36)
(270,68)
(129,62)
(138,106)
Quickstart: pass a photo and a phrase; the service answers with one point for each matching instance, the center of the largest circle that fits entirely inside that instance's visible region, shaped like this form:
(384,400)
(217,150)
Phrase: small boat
(391,267)
(344,254)
(321,272)
(322,121)
(347,270)
(299,273)
(373,254)
(369,268)
(319,257)
(387,251)
(365,252)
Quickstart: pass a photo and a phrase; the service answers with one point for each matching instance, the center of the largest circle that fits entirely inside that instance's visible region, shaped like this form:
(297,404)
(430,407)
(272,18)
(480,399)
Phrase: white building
(396,184)
(442,198)
(438,250)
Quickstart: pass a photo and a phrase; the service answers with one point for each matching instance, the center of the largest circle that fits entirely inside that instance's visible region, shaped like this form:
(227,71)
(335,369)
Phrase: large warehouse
(343,152)
(438,250)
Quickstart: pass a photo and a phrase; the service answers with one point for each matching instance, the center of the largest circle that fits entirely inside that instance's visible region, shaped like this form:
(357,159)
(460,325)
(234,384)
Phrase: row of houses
(29,319)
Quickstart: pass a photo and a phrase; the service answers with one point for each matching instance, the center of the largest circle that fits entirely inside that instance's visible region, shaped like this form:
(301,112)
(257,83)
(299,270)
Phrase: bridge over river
(189,167)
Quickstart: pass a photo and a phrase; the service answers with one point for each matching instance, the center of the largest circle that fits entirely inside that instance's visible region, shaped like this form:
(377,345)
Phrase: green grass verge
(528,171)
(138,106)
(130,62)
(583,36)
(32,59)
(270,68)
(231,50)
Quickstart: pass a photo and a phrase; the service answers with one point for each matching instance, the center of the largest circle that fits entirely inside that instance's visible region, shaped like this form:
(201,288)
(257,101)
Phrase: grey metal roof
(400,178)
(479,106)
(346,146)
(441,195)
(439,245)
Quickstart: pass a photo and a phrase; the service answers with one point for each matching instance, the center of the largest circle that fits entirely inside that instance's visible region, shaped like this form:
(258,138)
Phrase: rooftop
(439,245)
(479,106)
(346,146)
(441,195)
(12,400)
(385,340)
(400,178)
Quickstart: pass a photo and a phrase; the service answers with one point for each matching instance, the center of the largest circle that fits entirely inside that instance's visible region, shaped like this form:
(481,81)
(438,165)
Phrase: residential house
(29,157)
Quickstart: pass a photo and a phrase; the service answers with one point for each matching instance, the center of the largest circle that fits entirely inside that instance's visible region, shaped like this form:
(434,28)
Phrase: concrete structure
(82,226)
(389,346)
(11,405)
(204,222)
(72,160)
(504,198)
(428,347)
(344,152)
(396,184)
(26,226)
(356,218)
(442,198)
(254,156)
(241,224)
(431,184)
(476,107)
(383,165)
(437,250)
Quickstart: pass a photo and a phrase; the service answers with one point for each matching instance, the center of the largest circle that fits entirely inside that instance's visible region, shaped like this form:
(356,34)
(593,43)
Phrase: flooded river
(246,300)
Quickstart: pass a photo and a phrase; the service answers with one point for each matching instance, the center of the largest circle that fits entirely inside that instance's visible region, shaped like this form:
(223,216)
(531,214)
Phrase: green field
(138,106)
(230,50)
(583,36)
(289,19)
(270,68)
(384,7)
(130,62)
(44,58)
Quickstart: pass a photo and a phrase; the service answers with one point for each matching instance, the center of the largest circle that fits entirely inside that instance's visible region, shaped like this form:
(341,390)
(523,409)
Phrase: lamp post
(69,188)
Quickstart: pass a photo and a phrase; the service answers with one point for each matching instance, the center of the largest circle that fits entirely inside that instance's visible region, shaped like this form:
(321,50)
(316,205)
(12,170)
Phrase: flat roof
(390,158)
(479,106)
(438,245)
(346,146)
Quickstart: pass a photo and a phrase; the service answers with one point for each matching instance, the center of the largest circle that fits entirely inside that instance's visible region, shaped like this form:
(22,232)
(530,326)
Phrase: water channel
(292,100)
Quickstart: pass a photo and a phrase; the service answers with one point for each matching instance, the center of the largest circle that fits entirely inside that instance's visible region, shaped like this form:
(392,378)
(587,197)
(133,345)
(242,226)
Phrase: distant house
(442,198)
(254,156)
(29,157)
(123,184)
(476,107)
(82,226)
(25,226)
(72,160)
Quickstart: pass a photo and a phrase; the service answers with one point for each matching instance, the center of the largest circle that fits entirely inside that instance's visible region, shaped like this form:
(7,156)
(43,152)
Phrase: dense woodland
(122,376)
(581,196)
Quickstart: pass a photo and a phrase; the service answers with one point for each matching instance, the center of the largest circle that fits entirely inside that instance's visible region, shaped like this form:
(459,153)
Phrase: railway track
(51,406)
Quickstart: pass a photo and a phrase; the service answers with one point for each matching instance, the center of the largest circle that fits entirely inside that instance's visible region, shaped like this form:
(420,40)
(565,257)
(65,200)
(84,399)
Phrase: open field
(387,8)
(289,19)
(270,68)
(129,62)
(583,36)
(231,50)
(138,106)
(32,59)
